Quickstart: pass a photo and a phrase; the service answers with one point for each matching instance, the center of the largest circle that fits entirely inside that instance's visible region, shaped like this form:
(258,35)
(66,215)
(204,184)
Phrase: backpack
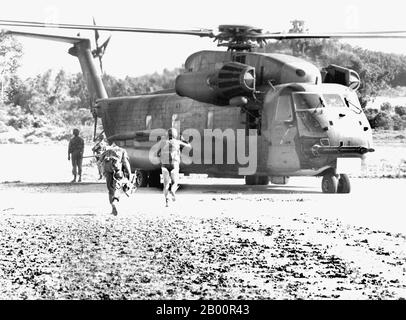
(112,160)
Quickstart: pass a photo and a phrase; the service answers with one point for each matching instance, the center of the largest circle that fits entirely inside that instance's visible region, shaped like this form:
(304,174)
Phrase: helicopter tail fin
(82,50)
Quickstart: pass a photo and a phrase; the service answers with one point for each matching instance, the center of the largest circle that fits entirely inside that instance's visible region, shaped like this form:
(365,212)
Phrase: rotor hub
(239,37)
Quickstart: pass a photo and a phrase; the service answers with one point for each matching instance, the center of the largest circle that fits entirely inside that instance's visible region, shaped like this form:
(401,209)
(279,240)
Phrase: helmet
(172,133)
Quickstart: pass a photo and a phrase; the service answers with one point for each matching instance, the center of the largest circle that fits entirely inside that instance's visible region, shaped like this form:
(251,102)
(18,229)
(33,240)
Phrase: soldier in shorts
(117,170)
(169,154)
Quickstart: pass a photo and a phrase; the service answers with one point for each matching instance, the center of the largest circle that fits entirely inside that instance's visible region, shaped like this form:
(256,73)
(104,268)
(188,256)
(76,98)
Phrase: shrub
(383,120)
(386,106)
(371,114)
(398,123)
(400,110)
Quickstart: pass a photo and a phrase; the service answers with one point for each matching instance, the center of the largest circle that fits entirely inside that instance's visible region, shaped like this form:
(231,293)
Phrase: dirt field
(220,240)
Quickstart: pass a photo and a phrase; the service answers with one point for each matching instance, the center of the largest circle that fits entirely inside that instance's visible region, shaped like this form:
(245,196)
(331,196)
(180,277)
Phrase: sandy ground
(219,240)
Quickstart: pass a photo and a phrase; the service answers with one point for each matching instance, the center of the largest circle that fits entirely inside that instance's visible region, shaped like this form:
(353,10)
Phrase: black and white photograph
(202,150)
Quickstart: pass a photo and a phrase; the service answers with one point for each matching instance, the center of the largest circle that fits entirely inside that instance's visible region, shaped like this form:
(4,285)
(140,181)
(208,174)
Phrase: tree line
(60,99)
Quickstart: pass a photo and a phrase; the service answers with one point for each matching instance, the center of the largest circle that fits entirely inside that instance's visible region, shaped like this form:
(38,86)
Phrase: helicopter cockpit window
(284,108)
(304,101)
(333,100)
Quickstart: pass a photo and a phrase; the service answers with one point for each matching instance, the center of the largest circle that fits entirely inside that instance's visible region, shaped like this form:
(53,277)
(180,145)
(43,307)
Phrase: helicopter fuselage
(303,129)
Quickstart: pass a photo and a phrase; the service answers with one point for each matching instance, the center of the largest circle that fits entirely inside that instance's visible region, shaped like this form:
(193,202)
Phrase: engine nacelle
(217,87)
(341,75)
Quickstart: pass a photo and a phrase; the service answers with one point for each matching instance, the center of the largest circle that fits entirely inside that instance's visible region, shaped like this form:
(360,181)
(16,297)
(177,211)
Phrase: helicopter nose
(348,129)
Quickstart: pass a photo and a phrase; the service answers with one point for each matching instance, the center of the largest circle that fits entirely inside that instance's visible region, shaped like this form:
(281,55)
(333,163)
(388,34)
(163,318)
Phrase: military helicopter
(302,121)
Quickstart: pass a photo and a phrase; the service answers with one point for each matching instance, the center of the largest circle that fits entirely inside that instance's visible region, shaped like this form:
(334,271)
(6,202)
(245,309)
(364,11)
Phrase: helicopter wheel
(263,180)
(344,185)
(141,178)
(250,180)
(329,184)
(154,179)
(256,180)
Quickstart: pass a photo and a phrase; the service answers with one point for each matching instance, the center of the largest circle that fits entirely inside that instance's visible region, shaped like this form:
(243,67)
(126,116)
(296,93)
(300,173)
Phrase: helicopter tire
(344,185)
(329,184)
(263,180)
(141,180)
(256,180)
(251,180)
(154,179)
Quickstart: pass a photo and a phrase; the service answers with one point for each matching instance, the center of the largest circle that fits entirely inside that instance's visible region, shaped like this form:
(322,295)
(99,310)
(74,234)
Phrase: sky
(138,54)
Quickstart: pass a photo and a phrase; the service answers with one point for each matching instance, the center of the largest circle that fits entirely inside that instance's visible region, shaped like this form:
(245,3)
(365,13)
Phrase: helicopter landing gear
(151,179)
(335,183)
(141,178)
(154,179)
(329,184)
(344,185)
(263,180)
(256,180)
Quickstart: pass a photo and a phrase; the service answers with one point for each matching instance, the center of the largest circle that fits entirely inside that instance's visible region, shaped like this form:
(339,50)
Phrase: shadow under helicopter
(184,188)
(244,189)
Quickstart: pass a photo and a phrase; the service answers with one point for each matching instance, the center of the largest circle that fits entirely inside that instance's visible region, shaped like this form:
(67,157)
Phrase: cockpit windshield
(305,101)
(333,100)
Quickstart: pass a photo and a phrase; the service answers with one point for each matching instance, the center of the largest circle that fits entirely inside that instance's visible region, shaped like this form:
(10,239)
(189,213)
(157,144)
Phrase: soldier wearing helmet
(169,154)
(75,152)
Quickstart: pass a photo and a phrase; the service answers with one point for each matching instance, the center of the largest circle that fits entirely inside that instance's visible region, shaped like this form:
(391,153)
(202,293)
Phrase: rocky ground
(59,242)
(219,240)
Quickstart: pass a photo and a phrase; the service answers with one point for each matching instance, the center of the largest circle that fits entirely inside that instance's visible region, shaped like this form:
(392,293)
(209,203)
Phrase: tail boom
(82,50)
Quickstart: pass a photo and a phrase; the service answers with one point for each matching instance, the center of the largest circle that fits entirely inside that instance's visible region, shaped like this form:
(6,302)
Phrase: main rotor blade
(34,24)
(400,34)
(344,35)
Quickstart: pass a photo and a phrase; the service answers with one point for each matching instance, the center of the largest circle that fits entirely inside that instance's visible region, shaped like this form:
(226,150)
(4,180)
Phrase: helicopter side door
(282,152)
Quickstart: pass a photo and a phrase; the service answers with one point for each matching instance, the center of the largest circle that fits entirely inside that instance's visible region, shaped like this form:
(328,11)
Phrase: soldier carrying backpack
(117,170)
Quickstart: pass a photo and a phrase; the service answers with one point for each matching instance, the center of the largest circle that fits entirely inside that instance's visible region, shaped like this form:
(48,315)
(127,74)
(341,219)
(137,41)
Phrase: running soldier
(169,154)
(75,151)
(117,170)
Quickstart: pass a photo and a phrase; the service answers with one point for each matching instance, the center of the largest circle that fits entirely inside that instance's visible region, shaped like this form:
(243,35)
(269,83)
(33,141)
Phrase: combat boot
(74,179)
(114,210)
(80,179)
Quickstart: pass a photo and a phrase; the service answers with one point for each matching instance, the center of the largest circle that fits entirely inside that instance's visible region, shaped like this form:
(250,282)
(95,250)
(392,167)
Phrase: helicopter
(302,121)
